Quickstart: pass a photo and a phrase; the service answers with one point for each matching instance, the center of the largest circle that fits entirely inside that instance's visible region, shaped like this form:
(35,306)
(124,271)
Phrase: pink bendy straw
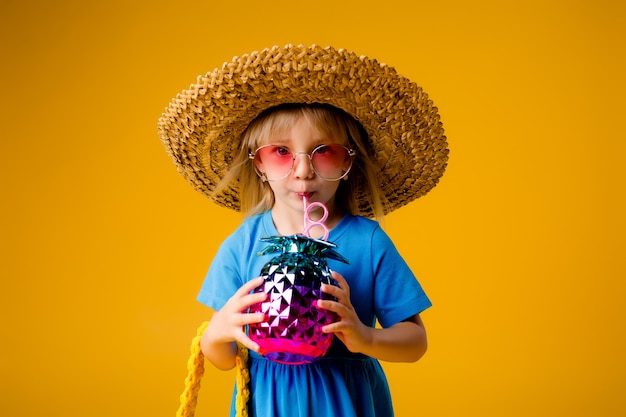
(309,223)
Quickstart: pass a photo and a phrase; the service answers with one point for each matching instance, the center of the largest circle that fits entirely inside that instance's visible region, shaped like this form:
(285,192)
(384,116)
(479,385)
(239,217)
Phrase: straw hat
(201,127)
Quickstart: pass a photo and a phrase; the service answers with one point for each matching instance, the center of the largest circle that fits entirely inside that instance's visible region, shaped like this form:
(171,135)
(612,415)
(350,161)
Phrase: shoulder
(360,237)
(351,223)
(364,229)
(248,227)
(246,236)
(251,223)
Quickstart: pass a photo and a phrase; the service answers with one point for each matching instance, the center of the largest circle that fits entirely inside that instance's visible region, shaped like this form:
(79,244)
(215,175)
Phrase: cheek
(329,189)
(275,187)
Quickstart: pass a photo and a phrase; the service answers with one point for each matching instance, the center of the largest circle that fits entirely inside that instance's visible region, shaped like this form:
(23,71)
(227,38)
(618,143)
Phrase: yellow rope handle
(243,381)
(195,371)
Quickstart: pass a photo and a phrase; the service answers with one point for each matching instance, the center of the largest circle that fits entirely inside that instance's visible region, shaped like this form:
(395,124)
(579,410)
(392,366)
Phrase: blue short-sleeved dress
(341,384)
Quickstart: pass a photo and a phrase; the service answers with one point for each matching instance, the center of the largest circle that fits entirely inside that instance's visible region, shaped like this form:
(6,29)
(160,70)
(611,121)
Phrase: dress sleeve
(224,276)
(397,293)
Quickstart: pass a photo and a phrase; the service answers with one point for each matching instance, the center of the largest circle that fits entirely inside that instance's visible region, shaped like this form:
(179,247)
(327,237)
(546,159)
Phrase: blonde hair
(355,194)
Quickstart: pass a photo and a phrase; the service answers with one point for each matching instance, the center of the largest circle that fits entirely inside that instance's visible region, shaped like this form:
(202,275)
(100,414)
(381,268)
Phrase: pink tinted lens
(275,161)
(331,161)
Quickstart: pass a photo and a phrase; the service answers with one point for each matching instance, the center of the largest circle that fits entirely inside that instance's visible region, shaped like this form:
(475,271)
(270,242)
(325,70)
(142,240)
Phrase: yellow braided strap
(243,381)
(195,371)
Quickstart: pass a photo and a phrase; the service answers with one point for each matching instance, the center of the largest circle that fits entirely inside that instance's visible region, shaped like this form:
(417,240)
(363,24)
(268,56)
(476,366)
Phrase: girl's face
(301,139)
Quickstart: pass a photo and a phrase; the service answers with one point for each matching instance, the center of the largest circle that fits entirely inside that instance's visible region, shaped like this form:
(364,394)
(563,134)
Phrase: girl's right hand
(227,325)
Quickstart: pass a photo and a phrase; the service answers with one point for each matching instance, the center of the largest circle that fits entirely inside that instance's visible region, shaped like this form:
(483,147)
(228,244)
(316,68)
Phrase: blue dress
(341,384)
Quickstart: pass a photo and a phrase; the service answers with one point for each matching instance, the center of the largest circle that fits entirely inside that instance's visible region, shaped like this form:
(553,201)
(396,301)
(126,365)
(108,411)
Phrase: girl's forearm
(220,354)
(403,342)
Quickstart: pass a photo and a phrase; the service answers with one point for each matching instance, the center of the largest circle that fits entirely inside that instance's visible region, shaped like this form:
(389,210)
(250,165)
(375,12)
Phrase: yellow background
(521,246)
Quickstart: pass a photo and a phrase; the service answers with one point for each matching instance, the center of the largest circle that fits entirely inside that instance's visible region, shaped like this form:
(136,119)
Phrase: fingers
(341,281)
(244,319)
(341,291)
(228,324)
(247,342)
(251,299)
(243,298)
(342,306)
(249,286)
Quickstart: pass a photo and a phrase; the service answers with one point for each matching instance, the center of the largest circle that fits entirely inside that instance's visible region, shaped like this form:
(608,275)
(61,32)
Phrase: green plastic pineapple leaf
(301,244)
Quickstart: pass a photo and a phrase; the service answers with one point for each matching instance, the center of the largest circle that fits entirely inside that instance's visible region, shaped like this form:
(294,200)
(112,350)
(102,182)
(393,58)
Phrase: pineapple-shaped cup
(292,333)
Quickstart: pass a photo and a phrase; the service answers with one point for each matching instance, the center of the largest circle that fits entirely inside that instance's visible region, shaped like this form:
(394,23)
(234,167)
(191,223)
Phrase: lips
(305,194)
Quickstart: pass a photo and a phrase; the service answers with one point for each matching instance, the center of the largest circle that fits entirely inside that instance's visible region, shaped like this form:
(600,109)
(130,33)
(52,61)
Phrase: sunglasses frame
(351,154)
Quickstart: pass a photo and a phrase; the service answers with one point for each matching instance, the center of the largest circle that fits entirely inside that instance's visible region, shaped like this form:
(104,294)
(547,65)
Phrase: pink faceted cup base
(292,352)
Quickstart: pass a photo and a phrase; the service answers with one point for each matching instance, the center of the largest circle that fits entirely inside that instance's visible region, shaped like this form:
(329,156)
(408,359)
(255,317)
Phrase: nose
(302,167)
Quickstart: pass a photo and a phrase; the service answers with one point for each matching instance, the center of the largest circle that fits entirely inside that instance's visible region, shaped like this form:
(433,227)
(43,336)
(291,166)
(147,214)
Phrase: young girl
(303,136)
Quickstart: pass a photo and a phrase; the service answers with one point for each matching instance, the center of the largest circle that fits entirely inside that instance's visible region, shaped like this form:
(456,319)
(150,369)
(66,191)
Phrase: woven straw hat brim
(201,127)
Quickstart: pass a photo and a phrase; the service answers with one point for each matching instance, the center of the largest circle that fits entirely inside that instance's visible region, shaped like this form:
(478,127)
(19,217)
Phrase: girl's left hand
(349,328)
